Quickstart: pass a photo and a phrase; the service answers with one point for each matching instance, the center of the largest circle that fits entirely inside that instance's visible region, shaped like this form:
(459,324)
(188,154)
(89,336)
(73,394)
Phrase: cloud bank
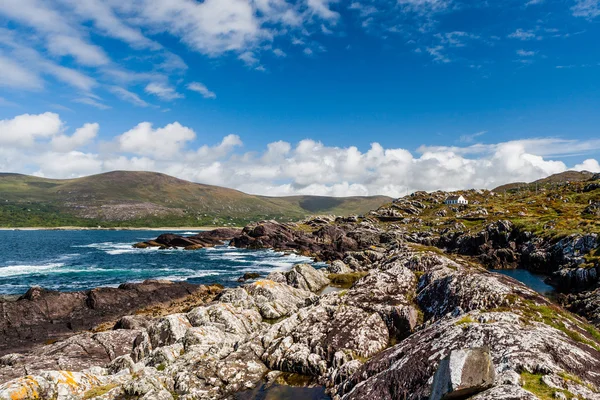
(40,145)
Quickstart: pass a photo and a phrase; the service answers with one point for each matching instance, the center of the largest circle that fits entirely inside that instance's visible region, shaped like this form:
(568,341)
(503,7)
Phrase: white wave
(17,270)
(189,233)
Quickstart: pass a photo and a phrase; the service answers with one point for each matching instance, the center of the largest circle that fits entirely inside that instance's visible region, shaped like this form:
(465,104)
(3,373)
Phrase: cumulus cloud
(590,165)
(81,137)
(281,168)
(160,143)
(24,130)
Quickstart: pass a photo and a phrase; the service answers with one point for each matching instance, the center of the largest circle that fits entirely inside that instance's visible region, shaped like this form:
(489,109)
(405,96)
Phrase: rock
(274,300)
(168,330)
(74,354)
(462,374)
(132,322)
(338,267)
(195,242)
(42,315)
(301,276)
(249,276)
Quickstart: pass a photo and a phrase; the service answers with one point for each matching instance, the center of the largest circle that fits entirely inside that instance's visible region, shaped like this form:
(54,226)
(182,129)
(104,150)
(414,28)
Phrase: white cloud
(23,130)
(524,35)
(586,8)
(92,101)
(425,6)
(202,89)
(438,55)
(85,53)
(128,96)
(68,165)
(163,91)
(62,37)
(282,168)
(81,137)
(322,8)
(160,143)
(590,165)
(471,138)
(16,76)
(526,53)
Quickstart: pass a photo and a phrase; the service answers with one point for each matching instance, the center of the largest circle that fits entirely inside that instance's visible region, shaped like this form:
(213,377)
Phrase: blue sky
(311,96)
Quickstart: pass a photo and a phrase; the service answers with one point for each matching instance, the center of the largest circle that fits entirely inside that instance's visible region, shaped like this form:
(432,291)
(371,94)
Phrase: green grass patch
(99,391)
(534,384)
(465,321)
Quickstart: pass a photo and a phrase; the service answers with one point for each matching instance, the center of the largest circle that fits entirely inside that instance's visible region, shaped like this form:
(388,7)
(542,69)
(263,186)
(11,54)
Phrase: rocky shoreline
(413,323)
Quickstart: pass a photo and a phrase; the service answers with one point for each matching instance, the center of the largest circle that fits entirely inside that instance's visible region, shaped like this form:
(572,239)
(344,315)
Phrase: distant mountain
(151,199)
(563,177)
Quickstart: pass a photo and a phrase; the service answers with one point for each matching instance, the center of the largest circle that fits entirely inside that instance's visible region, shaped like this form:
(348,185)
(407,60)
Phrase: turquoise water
(534,281)
(84,259)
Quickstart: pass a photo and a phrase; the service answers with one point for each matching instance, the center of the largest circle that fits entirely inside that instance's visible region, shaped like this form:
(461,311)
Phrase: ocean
(84,259)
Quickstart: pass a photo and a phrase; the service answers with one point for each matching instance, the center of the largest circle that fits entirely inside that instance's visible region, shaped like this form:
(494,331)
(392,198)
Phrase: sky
(283,97)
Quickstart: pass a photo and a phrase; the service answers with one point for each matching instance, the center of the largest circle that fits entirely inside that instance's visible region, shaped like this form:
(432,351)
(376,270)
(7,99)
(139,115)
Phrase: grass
(99,391)
(346,280)
(545,211)
(556,317)
(534,384)
(110,200)
(465,320)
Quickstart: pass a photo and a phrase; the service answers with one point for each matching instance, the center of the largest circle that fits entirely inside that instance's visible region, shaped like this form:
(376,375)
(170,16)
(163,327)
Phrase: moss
(99,391)
(346,280)
(465,320)
(534,384)
(161,367)
(555,317)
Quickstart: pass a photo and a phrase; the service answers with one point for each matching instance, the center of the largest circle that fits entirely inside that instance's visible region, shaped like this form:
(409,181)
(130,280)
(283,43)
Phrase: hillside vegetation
(552,207)
(147,199)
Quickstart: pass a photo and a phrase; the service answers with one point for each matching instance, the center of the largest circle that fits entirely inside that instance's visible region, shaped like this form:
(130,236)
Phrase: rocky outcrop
(194,242)
(44,316)
(273,300)
(586,304)
(301,276)
(411,326)
(74,354)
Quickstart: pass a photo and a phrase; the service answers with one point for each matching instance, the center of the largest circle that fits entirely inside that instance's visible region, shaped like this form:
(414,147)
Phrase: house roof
(453,197)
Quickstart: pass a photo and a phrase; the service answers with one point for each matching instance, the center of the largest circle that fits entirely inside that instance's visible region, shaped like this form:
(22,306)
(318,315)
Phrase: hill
(556,206)
(556,179)
(151,199)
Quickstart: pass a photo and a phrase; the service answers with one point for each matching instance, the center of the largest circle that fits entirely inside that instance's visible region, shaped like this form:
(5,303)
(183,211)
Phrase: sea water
(83,259)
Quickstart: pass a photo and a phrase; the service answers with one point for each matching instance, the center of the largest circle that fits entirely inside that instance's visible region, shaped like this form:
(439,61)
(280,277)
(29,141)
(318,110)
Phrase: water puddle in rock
(330,289)
(283,392)
(529,279)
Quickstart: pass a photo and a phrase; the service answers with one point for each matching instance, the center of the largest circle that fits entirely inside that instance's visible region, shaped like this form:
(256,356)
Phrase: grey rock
(462,374)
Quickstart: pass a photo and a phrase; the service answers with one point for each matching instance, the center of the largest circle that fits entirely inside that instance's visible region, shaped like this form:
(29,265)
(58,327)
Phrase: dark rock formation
(194,242)
(42,316)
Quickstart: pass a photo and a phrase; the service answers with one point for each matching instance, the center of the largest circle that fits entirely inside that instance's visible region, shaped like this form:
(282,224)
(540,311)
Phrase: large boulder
(301,276)
(463,373)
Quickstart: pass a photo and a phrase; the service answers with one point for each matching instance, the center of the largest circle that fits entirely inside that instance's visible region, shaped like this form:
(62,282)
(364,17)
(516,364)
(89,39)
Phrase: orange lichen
(265,283)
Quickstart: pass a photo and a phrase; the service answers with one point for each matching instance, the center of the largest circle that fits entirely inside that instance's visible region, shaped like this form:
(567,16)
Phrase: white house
(456,200)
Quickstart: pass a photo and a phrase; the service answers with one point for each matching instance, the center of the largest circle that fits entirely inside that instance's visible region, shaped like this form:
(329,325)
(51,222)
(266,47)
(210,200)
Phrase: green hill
(150,199)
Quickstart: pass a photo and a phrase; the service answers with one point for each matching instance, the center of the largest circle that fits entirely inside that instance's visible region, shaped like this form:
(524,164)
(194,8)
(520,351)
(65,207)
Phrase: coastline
(78,228)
